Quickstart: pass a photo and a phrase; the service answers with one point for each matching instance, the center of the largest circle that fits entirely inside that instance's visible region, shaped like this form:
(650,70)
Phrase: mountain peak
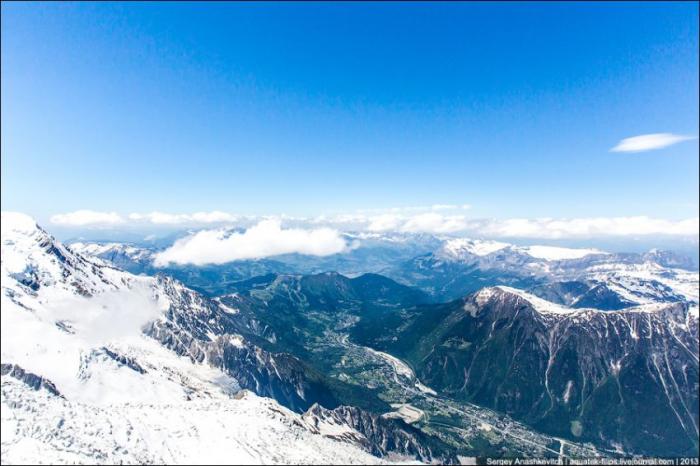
(540,305)
(458,247)
(16,222)
(22,238)
(33,258)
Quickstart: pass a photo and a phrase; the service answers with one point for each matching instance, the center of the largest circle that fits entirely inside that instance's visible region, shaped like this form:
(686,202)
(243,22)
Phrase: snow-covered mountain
(466,249)
(449,268)
(89,374)
(592,277)
(118,254)
(99,364)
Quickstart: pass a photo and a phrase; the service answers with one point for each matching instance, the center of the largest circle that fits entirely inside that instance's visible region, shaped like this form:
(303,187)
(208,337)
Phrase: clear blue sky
(311,108)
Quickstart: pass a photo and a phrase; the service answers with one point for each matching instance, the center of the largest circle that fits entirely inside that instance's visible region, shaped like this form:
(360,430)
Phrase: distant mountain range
(451,268)
(405,348)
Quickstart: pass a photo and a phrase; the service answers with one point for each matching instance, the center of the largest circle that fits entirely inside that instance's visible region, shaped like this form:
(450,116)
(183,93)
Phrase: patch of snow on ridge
(464,248)
(625,276)
(237,341)
(459,246)
(482,297)
(96,249)
(553,253)
(224,307)
(547,307)
(539,304)
(694,311)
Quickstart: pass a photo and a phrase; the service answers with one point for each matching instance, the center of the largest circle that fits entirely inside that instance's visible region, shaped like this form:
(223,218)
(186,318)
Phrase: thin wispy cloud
(647,142)
(385,222)
(82,218)
(542,228)
(380,219)
(549,228)
(432,221)
(428,222)
(415,208)
(90,218)
(161,218)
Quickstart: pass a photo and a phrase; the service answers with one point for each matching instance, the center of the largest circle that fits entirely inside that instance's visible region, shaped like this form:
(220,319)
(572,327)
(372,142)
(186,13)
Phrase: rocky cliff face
(626,379)
(379,435)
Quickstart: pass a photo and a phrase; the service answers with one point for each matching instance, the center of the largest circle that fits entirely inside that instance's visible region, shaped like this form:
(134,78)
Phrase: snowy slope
(464,249)
(552,253)
(547,307)
(114,394)
(639,283)
(606,279)
(112,249)
(40,428)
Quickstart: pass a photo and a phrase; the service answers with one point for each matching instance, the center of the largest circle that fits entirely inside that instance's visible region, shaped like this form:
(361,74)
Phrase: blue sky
(307,109)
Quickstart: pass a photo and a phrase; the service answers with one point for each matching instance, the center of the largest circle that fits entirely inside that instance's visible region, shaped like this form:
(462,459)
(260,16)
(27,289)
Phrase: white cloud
(585,227)
(110,315)
(647,142)
(384,222)
(434,223)
(430,219)
(161,218)
(213,217)
(342,219)
(427,222)
(438,219)
(87,218)
(437,223)
(265,239)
